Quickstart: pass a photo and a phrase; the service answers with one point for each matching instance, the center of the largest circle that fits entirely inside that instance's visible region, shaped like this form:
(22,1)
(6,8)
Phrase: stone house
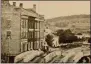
(22,29)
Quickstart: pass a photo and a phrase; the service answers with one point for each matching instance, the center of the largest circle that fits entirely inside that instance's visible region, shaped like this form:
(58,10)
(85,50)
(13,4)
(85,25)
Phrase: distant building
(56,41)
(22,29)
(47,31)
(83,36)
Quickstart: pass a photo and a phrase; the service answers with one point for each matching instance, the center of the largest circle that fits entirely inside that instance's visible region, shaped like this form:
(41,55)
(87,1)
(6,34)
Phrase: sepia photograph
(45,31)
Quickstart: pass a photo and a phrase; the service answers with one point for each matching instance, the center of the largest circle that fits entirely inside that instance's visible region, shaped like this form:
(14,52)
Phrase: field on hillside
(77,23)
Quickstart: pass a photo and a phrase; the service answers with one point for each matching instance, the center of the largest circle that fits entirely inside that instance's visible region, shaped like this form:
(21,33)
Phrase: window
(31,45)
(24,23)
(41,25)
(27,47)
(37,34)
(35,25)
(38,25)
(41,34)
(30,34)
(23,47)
(32,25)
(8,23)
(35,46)
(8,34)
(24,35)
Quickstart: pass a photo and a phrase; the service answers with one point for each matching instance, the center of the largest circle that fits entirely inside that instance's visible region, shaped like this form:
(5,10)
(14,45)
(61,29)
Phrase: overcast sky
(58,8)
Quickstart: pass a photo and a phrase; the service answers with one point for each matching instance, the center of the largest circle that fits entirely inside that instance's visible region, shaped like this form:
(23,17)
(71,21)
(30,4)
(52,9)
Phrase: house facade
(22,29)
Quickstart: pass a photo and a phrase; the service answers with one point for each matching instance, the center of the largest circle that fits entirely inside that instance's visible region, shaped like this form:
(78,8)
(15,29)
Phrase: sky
(51,9)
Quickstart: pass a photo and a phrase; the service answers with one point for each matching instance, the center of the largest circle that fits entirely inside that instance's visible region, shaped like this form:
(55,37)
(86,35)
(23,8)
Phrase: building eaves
(31,10)
(28,13)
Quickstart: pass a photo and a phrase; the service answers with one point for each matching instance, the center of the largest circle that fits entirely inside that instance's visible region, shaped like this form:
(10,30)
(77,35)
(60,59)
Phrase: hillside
(77,23)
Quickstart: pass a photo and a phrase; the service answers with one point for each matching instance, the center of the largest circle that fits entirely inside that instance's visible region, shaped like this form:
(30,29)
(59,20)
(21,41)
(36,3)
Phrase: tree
(67,37)
(49,39)
(59,32)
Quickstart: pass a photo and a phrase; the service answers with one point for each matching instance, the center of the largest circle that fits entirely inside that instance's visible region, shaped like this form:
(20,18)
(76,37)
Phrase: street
(70,55)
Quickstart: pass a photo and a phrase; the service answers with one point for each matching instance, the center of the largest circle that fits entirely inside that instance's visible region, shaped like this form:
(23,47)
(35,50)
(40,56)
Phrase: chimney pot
(14,3)
(21,5)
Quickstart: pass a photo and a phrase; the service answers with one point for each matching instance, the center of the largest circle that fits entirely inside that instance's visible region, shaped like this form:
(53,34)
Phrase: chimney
(21,5)
(34,7)
(5,2)
(14,3)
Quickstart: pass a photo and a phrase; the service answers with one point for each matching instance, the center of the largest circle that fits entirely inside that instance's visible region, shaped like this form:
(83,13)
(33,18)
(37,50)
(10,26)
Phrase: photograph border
(45,0)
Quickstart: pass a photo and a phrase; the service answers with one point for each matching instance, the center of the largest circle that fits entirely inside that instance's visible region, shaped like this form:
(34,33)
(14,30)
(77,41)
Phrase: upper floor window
(31,24)
(30,34)
(24,35)
(8,34)
(36,25)
(8,23)
(24,23)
